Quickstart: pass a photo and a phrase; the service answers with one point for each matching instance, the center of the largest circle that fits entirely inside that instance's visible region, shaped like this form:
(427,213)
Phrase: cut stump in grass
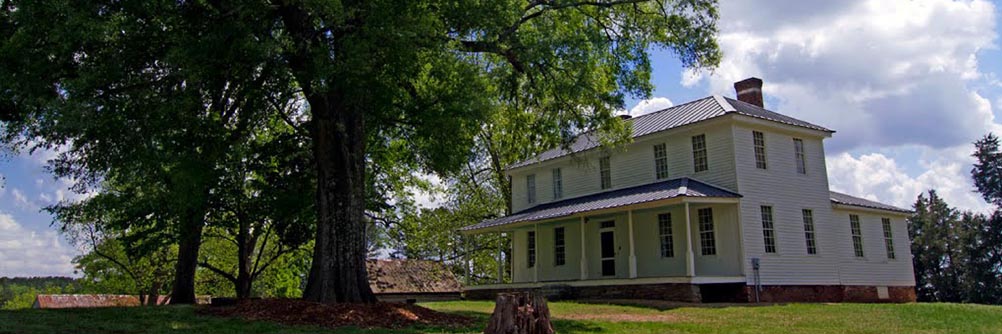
(520,313)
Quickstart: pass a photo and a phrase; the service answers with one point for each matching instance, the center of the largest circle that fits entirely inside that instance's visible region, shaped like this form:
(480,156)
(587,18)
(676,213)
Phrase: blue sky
(907,85)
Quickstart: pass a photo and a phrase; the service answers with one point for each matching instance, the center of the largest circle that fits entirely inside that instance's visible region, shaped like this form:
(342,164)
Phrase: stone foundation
(696,293)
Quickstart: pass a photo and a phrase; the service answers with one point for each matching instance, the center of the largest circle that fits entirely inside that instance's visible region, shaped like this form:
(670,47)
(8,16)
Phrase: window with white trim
(857,235)
(665,235)
(699,162)
(768,229)
(559,254)
(759,140)
(707,242)
(798,152)
(530,188)
(809,237)
(605,171)
(661,161)
(558,184)
(531,251)
(888,237)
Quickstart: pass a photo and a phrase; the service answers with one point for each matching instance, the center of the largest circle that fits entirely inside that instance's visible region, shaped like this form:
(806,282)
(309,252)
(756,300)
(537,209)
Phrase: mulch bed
(301,312)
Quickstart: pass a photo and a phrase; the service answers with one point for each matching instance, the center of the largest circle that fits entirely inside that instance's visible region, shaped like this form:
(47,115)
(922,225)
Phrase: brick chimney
(750,91)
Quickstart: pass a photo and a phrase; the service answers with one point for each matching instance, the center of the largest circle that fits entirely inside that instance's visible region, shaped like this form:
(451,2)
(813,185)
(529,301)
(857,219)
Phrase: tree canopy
(150,97)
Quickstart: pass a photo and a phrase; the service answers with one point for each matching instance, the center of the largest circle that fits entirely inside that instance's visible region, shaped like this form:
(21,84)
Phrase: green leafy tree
(984,244)
(109,268)
(987,171)
(261,210)
(389,85)
(145,97)
(936,249)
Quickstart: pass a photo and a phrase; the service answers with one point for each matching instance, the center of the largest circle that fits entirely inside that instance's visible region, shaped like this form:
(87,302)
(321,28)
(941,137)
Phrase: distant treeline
(19,292)
(958,254)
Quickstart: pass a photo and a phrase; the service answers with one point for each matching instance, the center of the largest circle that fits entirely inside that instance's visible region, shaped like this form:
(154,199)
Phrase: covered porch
(680,231)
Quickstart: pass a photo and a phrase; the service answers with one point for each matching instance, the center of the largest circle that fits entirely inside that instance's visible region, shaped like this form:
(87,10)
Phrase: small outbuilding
(397,280)
(91,300)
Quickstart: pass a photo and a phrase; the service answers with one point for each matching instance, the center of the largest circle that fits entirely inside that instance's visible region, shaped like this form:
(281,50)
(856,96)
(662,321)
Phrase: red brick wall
(667,291)
(830,293)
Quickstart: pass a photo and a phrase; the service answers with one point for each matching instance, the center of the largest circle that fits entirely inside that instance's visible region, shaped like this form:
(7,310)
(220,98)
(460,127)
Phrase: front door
(608,253)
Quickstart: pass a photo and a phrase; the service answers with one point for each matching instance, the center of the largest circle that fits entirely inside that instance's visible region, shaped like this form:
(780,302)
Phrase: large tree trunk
(337,127)
(187,258)
(338,271)
(245,246)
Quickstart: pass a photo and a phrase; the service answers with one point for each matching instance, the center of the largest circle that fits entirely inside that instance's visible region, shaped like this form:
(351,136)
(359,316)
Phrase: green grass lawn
(568,318)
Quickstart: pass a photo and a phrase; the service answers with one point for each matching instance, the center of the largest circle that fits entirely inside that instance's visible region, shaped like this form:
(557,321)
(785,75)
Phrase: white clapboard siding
(788,192)
(632,165)
(874,268)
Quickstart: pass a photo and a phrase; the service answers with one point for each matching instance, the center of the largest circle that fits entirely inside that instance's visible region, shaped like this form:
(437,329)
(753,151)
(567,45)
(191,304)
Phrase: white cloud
(895,79)
(878,177)
(429,199)
(650,105)
(881,72)
(28,253)
(22,202)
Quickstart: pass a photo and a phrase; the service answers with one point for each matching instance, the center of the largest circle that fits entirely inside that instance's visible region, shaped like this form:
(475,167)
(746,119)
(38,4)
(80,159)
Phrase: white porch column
(633,252)
(690,263)
(535,268)
(584,253)
(465,240)
(500,263)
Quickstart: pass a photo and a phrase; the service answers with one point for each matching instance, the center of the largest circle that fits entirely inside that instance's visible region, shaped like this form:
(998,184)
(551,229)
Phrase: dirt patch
(301,312)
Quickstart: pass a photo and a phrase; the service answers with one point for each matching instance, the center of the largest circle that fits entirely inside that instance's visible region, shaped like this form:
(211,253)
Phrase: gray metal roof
(843,199)
(684,114)
(680,187)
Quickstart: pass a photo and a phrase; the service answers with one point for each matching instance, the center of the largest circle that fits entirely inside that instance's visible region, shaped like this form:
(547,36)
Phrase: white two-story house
(717,199)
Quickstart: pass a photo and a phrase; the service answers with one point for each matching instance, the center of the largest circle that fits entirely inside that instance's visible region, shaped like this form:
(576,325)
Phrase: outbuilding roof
(684,114)
(410,277)
(95,300)
(680,187)
(848,200)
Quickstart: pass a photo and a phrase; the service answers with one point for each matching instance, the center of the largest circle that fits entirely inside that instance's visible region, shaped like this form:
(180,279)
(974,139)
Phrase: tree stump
(520,313)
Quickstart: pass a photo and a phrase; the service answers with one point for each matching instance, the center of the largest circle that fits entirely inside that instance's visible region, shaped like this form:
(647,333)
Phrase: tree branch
(218,271)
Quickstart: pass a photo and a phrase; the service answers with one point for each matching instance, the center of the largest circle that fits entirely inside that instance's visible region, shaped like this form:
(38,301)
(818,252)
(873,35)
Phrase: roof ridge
(722,101)
(672,107)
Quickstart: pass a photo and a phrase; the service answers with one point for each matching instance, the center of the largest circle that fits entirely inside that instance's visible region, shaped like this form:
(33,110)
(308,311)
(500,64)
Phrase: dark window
(707,241)
(665,235)
(759,140)
(699,162)
(888,237)
(605,172)
(661,161)
(768,230)
(558,184)
(798,150)
(532,249)
(812,246)
(857,235)
(559,255)
(607,224)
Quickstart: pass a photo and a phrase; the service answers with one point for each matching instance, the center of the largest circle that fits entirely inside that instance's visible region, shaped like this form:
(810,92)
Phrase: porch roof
(680,187)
